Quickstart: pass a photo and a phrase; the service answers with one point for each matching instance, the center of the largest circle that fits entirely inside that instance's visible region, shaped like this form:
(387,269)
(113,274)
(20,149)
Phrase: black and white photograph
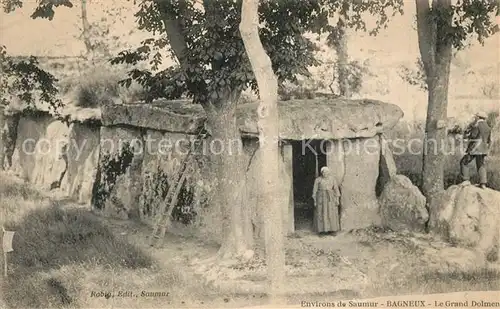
(249,154)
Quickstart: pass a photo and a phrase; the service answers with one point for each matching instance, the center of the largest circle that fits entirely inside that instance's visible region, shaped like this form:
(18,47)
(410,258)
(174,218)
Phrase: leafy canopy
(44,9)
(470,20)
(22,79)
(214,61)
(211,57)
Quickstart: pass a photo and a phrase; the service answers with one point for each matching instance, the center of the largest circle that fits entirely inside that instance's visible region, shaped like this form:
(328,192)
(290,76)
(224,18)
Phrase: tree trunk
(343,60)
(227,155)
(229,167)
(436,53)
(2,143)
(268,122)
(435,136)
(86,29)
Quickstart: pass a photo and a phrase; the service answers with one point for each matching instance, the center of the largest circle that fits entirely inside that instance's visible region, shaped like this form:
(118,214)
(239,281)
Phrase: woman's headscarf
(324,169)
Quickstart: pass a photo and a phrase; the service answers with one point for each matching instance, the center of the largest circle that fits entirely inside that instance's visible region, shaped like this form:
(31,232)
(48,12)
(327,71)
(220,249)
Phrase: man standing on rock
(479,136)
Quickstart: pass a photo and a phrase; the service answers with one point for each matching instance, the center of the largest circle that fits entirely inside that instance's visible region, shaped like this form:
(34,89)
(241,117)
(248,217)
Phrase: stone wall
(136,169)
(53,154)
(124,161)
(82,158)
(27,161)
(359,205)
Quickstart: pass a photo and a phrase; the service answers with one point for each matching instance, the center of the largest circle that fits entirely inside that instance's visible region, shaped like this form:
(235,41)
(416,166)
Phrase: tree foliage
(44,9)
(215,52)
(355,73)
(215,60)
(470,19)
(415,76)
(24,80)
(456,24)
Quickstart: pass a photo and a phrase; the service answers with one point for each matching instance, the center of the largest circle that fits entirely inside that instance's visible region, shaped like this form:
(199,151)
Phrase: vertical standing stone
(50,163)
(83,157)
(287,176)
(359,205)
(387,168)
(116,191)
(31,129)
(335,159)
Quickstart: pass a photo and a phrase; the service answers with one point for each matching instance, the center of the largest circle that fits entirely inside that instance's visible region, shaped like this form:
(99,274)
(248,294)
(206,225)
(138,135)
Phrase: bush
(492,118)
(100,86)
(491,90)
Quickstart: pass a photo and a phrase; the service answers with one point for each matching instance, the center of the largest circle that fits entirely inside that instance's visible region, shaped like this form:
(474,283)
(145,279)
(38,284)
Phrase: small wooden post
(4,255)
(5,263)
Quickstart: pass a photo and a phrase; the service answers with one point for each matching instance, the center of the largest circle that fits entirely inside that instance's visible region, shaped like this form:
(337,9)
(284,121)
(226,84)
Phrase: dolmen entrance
(123,163)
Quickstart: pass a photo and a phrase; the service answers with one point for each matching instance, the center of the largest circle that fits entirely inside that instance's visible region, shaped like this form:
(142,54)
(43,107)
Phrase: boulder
(402,206)
(468,216)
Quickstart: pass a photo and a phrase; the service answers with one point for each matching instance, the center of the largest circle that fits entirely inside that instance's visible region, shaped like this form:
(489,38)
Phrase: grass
(54,246)
(434,282)
(100,85)
(62,254)
(421,271)
(398,263)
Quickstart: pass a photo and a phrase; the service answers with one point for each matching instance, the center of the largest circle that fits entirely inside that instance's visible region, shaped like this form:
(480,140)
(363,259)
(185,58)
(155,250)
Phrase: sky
(393,47)
(23,35)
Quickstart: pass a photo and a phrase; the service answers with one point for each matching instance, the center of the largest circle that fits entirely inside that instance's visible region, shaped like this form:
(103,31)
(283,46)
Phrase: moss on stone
(110,168)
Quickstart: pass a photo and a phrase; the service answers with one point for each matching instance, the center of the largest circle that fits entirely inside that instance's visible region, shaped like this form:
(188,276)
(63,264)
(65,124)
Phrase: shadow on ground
(52,238)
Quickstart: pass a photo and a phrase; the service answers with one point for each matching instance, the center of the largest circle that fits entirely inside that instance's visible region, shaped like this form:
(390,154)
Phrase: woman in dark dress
(326,196)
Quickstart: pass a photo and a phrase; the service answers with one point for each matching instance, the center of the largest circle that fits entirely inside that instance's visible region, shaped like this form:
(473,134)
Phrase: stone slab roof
(299,119)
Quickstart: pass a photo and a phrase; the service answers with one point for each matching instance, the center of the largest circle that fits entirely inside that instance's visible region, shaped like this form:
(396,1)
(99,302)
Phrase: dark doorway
(308,159)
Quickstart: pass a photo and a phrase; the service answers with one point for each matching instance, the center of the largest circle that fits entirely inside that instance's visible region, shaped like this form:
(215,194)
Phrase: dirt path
(351,265)
(361,264)
(176,252)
